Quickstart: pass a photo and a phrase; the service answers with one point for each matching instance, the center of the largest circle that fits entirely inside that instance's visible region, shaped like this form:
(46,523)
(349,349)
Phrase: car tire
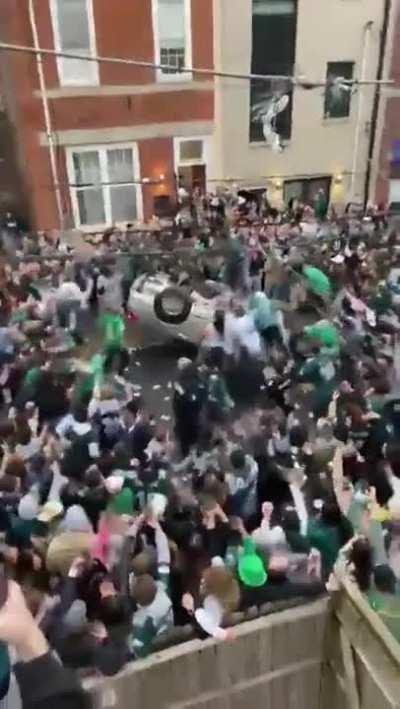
(161,306)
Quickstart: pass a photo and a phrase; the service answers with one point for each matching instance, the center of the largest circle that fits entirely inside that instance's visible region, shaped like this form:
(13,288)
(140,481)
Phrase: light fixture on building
(278,184)
(146,180)
(162,177)
(338,179)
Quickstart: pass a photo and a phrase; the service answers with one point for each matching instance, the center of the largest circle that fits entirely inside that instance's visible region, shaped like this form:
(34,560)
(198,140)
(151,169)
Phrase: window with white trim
(103,183)
(172,38)
(74,32)
(191,151)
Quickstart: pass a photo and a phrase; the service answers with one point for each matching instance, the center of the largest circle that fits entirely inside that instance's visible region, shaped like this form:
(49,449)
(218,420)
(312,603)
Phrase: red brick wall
(395,67)
(202,35)
(26,113)
(391,132)
(109,111)
(123,28)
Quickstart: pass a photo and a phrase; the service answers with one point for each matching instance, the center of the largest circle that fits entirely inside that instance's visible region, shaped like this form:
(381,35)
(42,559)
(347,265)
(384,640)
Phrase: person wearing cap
(259,587)
(23,524)
(74,537)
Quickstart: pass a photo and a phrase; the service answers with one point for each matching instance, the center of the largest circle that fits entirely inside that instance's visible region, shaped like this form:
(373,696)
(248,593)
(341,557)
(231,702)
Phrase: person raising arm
(42,680)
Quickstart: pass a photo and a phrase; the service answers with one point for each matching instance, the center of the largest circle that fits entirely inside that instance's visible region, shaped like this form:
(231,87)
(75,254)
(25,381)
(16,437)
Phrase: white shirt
(242,332)
(71,291)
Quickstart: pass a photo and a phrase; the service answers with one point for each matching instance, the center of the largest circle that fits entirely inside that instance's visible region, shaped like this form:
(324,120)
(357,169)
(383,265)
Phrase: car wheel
(172,306)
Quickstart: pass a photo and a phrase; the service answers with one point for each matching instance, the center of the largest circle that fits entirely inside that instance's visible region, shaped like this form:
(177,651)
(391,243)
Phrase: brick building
(387,153)
(120,136)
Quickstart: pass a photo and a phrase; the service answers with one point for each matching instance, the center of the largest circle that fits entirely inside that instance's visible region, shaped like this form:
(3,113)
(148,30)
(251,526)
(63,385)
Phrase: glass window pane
(91,206)
(262,96)
(191,150)
(171,21)
(338,97)
(120,165)
(273,7)
(87,168)
(123,203)
(73,25)
(292,189)
(394,191)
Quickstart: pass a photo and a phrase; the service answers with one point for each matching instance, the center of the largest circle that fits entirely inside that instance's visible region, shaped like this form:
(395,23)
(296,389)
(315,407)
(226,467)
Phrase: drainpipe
(377,98)
(357,137)
(46,112)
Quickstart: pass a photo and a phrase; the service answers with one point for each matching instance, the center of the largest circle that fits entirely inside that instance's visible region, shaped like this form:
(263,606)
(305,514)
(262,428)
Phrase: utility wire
(300,81)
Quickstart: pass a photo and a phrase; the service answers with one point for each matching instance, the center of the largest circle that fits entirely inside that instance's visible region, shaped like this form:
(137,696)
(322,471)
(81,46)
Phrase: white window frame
(204,160)
(94,67)
(179,76)
(394,190)
(102,150)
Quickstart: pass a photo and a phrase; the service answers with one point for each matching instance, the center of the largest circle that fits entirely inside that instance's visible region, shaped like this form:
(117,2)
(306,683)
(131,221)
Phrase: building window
(103,185)
(73,28)
(172,38)
(394,196)
(192,160)
(306,190)
(273,52)
(338,95)
(190,150)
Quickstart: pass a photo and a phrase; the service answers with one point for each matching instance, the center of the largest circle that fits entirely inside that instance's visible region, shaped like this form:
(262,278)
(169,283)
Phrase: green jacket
(327,540)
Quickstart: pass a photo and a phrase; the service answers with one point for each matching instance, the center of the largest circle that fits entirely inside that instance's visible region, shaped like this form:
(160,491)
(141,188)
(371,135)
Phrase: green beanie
(122,504)
(251,567)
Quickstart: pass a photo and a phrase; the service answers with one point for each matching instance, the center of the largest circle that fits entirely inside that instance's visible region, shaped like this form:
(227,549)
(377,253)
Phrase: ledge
(125,90)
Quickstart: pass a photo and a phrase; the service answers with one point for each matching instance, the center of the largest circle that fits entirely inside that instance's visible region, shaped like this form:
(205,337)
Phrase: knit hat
(251,567)
(28,507)
(123,503)
(76,520)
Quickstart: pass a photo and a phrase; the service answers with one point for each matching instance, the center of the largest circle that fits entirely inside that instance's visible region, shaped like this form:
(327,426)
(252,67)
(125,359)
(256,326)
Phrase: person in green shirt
(383,597)
(112,326)
(328,533)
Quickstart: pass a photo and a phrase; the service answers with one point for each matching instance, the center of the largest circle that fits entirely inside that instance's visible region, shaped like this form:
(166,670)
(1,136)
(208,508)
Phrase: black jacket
(44,683)
(279,590)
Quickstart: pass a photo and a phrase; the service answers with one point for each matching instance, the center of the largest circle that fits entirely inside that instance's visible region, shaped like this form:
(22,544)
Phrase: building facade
(101,142)
(324,132)
(385,182)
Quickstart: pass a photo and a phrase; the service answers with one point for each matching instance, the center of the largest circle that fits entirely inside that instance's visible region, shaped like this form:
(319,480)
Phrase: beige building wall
(327,30)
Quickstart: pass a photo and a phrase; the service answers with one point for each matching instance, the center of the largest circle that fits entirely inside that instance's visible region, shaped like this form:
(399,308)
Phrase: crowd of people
(279,475)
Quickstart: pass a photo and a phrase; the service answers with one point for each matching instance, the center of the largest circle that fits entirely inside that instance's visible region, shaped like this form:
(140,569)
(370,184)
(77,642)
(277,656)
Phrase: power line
(299,81)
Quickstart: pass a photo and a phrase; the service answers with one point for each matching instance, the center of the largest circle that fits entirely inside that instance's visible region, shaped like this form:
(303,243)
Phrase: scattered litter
(156,386)
(182,336)
(138,364)
(165,418)
(310,415)
(263,387)
(167,398)
(136,387)
(169,385)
